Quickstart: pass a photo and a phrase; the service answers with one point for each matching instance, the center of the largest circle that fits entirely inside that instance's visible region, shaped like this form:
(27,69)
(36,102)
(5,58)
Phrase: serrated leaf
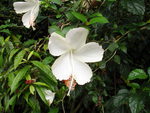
(19,58)
(21,74)
(137,74)
(80,16)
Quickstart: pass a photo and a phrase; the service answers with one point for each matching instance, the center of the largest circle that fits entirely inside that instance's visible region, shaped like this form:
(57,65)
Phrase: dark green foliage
(121,81)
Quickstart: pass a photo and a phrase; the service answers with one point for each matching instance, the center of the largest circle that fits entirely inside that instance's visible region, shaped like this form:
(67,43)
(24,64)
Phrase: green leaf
(121,97)
(2,42)
(11,102)
(136,7)
(134,85)
(54,28)
(32,89)
(54,110)
(123,48)
(45,69)
(136,104)
(59,2)
(113,46)
(19,58)
(5,31)
(137,74)
(11,77)
(1,60)
(101,20)
(41,84)
(21,74)
(42,94)
(80,16)
(148,71)
(30,55)
(14,51)
(47,60)
(117,59)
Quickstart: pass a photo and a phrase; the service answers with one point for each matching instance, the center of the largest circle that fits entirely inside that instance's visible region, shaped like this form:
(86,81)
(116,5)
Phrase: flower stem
(70,87)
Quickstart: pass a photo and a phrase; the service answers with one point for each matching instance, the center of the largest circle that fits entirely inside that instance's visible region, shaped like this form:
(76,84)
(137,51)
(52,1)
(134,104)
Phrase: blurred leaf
(136,105)
(117,59)
(32,89)
(80,16)
(45,69)
(11,102)
(2,42)
(5,31)
(136,7)
(1,60)
(40,84)
(113,46)
(121,97)
(134,85)
(137,74)
(59,2)
(148,71)
(19,58)
(101,20)
(30,55)
(14,51)
(48,60)
(41,93)
(21,74)
(54,110)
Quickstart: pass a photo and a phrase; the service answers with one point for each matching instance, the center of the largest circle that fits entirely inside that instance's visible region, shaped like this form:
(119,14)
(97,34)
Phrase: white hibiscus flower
(74,54)
(31,10)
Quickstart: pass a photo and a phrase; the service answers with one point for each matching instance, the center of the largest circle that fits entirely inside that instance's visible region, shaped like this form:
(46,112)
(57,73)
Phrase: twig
(63,103)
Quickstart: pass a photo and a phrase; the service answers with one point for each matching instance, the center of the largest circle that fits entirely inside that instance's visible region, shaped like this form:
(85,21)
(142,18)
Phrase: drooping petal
(22,7)
(62,67)
(90,52)
(57,45)
(34,14)
(82,73)
(49,95)
(77,37)
(26,19)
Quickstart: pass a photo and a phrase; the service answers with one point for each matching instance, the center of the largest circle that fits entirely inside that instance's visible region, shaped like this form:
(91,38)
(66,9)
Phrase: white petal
(34,12)
(62,67)
(49,95)
(77,37)
(26,19)
(57,45)
(90,52)
(22,7)
(82,73)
